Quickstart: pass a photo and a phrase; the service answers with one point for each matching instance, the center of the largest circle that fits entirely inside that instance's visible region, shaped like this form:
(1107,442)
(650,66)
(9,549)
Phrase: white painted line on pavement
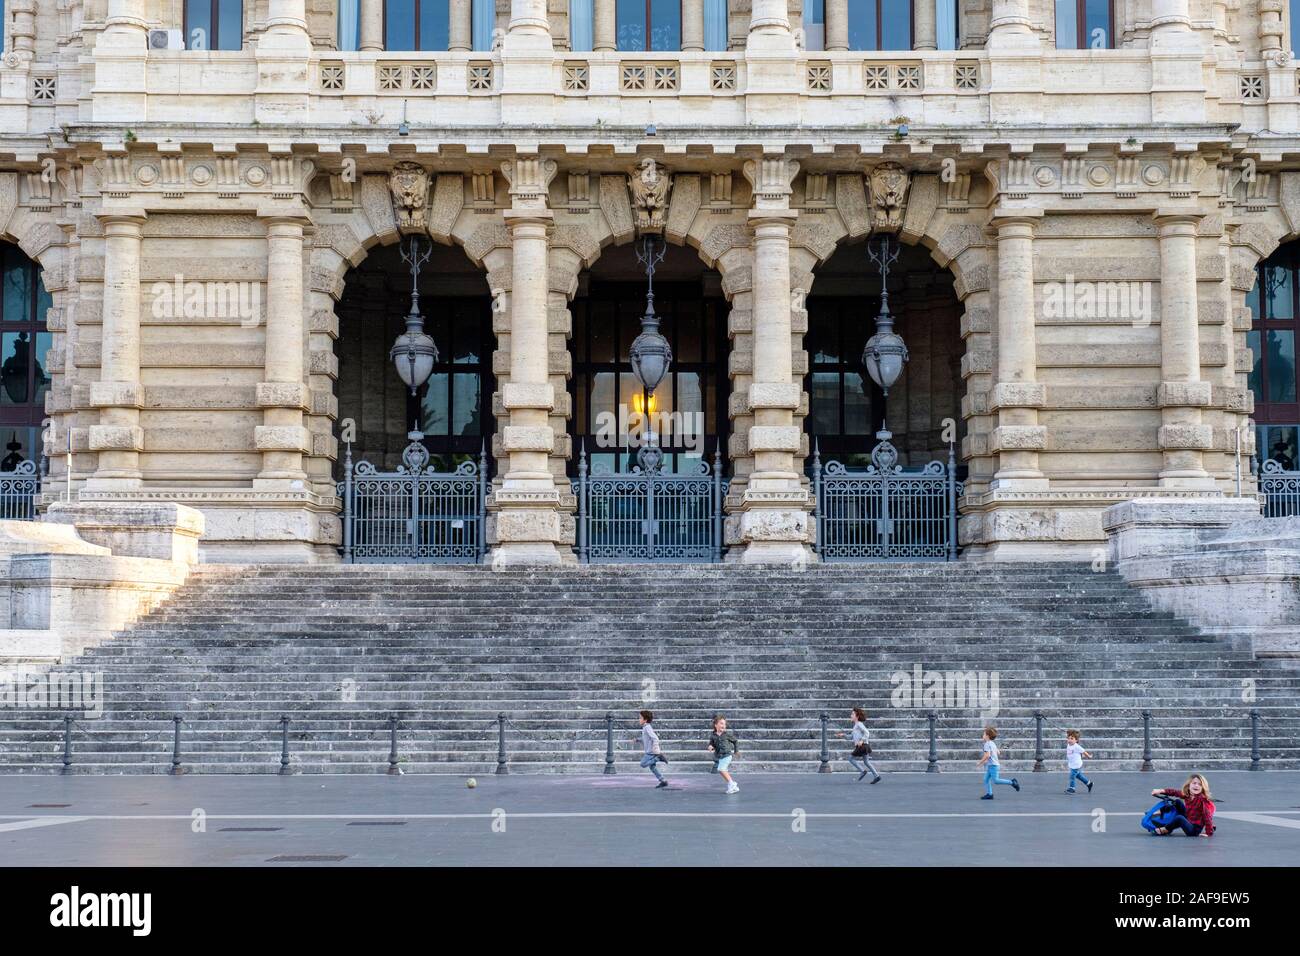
(31,824)
(1270,818)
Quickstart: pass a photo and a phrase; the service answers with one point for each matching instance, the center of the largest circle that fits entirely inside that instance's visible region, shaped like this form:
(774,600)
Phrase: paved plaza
(776,819)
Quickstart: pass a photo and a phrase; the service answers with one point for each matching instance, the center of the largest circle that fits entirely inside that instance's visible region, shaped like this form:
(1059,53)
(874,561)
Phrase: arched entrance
(24,380)
(1274,304)
(414,476)
(627,512)
(884,494)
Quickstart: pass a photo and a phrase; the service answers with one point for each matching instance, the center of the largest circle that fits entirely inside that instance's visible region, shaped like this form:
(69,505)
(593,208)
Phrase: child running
(723,744)
(1199,819)
(650,745)
(1074,754)
(861,751)
(991,772)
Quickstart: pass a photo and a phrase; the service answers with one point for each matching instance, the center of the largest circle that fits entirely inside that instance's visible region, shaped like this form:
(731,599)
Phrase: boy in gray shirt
(650,746)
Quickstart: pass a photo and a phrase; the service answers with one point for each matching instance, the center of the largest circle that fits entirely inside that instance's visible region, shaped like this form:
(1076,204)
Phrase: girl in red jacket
(1199,819)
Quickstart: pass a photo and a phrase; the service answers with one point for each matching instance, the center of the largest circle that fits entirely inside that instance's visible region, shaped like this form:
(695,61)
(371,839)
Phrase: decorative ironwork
(886,512)
(648,515)
(18,491)
(1280,489)
(414,515)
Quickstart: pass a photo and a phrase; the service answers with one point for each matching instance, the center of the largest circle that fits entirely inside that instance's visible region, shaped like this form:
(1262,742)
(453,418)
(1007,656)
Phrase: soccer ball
(471,783)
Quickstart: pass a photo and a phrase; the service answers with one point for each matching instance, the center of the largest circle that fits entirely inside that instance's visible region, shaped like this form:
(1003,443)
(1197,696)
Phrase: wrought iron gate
(18,492)
(649,515)
(885,513)
(415,514)
(1280,489)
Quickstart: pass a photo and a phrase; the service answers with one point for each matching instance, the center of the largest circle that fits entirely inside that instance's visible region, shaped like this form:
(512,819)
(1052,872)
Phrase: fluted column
(118,394)
(461,31)
(282,438)
(774,505)
(1182,394)
(372,24)
(837,24)
(1017,395)
(604,26)
(924,25)
(692,24)
(527,503)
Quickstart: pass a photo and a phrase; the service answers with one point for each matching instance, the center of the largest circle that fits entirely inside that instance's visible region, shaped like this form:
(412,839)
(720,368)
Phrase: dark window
(1085,24)
(880,24)
(1295,27)
(607,399)
(214,24)
(416,24)
(23,344)
(649,24)
(1275,307)
(844,405)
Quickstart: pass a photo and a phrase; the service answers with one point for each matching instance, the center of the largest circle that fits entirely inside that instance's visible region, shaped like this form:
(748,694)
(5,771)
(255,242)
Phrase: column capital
(122,222)
(1169,220)
(1004,220)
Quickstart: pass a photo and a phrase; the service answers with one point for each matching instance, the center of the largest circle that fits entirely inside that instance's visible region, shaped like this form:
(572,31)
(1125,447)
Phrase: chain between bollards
(176,769)
(67,745)
(825,766)
(1038,741)
(1255,755)
(1146,740)
(502,766)
(933,765)
(284,746)
(609,743)
(392,745)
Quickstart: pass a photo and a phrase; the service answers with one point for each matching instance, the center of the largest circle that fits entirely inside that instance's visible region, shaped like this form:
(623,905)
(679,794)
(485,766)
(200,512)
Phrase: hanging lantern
(414,353)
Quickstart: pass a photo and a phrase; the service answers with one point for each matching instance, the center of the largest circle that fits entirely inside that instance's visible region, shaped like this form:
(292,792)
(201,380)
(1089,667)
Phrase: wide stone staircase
(341,649)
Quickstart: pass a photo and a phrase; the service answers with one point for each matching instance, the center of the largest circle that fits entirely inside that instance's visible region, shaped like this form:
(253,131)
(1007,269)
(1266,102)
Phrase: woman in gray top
(860,749)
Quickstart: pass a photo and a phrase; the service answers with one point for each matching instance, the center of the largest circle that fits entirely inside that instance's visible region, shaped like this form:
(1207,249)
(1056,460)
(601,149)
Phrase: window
(814,24)
(880,24)
(23,344)
(648,24)
(1295,27)
(581,25)
(452,403)
(947,31)
(483,17)
(349,25)
(214,24)
(715,24)
(844,405)
(1084,24)
(3,20)
(417,24)
(1275,306)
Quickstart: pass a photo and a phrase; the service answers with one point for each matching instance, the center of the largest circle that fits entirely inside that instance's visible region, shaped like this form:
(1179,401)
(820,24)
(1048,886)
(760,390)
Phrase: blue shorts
(723,763)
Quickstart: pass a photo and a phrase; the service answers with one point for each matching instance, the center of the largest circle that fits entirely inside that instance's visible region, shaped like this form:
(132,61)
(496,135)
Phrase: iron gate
(885,513)
(415,514)
(1280,489)
(18,491)
(649,515)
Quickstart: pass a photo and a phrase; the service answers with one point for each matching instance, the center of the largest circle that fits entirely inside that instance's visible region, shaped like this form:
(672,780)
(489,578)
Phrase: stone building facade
(1092,219)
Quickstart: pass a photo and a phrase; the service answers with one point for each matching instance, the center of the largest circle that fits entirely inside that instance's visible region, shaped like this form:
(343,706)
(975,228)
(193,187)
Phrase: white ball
(471,783)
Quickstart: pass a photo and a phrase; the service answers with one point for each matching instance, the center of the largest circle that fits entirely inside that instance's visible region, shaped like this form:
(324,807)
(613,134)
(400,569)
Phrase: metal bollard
(609,743)
(284,746)
(176,769)
(392,745)
(1146,740)
(933,766)
(826,751)
(67,745)
(1038,741)
(501,744)
(1255,755)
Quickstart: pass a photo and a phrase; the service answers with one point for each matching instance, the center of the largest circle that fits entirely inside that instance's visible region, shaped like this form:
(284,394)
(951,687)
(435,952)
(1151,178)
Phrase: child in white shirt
(992,772)
(1074,754)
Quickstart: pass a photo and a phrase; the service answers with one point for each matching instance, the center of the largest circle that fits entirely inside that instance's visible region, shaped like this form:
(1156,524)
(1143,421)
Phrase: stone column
(605,26)
(775,505)
(837,24)
(461,31)
(692,25)
(282,438)
(1171,26)
(769,27)
(1011,26)
(22,28)
(286,28)
(1017,396)
(1182,394)
(527,503)
(925,26)
(1270,26)
(118,394)
(372,24)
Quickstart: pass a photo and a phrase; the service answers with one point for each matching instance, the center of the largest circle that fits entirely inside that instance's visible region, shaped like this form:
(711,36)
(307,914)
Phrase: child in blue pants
(1074,754)
(991,774)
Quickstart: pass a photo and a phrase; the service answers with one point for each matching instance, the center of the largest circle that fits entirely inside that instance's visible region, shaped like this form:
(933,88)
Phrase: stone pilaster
(372,24)
(1270,25)
(774,525)
(1184,438)
(282,438)
(1017,395)
(118,438)
(527,504)
(120,54)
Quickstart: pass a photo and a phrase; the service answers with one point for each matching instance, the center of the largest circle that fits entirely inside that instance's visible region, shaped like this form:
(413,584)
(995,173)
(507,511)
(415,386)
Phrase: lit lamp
(414,353)
(885,353)
(650,354)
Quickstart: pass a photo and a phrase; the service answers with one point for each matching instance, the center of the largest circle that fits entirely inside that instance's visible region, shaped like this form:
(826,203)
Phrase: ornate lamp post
(651,355)
(413,354)
(885,353)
